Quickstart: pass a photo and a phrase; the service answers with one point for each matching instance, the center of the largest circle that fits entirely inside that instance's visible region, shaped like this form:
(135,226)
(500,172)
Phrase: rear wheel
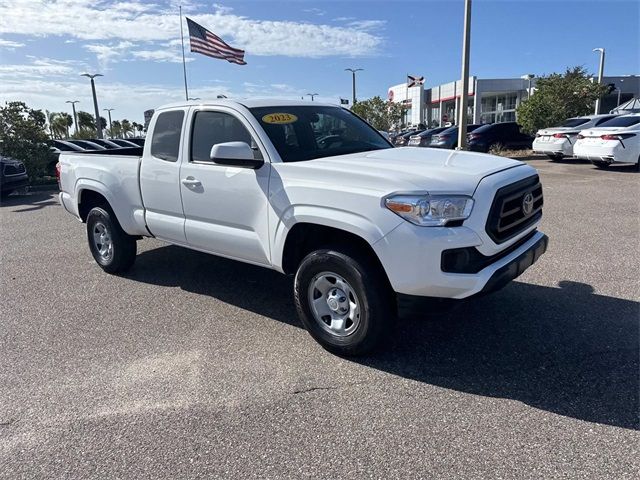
(111,247)
(344,301)
(554,157)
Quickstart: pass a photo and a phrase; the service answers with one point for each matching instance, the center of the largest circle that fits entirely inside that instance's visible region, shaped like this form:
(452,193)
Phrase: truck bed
(114,174)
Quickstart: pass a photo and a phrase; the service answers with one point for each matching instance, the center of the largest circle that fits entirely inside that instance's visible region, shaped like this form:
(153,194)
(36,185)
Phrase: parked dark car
(87,145)
(65,146)
(138,141)
(13,175)
(125,143)
(504,134)
(423,139)
(403,140)
(108,144)
(449,137)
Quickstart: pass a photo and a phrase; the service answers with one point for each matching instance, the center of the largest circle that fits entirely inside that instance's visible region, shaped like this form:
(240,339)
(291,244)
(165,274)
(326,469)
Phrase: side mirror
(234,154)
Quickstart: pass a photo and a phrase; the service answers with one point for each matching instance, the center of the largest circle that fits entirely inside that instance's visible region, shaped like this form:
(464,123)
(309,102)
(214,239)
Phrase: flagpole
(184,65)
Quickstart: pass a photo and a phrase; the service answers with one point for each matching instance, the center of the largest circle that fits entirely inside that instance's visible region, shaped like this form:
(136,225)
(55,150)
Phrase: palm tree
(86,121)
(66,121)
(116,129)
(126,127)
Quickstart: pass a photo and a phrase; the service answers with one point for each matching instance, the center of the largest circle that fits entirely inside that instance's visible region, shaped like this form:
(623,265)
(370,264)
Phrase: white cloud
(367,24)
(10,45)
(315,11)
(222,9)
(40,68)
(137,21)
(107,53)
(171,56)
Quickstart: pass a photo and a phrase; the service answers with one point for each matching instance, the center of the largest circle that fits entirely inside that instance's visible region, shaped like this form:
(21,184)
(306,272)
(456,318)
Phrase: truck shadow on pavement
(566,350)
(31,201)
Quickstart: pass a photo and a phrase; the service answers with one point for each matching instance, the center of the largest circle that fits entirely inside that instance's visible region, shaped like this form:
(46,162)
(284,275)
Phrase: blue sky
(294,47)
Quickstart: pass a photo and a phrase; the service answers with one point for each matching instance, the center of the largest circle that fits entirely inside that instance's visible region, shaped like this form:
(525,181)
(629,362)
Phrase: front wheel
(112,248)
(344,301)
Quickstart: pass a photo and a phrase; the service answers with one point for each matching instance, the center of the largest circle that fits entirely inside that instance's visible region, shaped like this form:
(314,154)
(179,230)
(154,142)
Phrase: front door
(225,207)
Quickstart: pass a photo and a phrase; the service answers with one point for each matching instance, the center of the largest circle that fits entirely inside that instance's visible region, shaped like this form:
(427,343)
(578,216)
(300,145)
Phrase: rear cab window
(621,122)
(165,143)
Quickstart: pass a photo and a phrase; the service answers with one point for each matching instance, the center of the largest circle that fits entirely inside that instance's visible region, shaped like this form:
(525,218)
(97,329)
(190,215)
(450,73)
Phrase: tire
(601,165)
(555,157)
(5,193)
(117,252)
(339,279)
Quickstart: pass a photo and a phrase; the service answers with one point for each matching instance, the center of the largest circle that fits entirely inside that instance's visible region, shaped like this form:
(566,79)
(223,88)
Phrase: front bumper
(14,182)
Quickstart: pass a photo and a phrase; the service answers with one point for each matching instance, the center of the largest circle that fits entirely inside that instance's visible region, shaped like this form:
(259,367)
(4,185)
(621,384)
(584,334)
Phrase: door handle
(191,182)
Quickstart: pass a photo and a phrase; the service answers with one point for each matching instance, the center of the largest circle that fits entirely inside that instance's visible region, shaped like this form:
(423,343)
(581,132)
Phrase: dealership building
(489,100)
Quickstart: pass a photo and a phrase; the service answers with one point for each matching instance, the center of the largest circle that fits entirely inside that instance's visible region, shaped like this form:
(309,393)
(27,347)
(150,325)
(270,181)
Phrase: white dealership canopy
(632,106)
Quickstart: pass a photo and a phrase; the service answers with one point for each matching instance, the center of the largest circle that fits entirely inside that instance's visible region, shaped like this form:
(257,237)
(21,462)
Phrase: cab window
(165,143)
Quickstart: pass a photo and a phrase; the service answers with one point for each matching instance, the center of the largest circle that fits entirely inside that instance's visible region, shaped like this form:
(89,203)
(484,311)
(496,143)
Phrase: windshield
(621,122)
(574,122)
(306,132)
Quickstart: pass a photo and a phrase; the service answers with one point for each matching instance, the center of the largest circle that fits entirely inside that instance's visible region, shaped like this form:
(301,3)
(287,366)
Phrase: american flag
(204,42)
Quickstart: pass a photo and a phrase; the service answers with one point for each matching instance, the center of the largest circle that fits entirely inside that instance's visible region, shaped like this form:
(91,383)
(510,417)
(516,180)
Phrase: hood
(401,169)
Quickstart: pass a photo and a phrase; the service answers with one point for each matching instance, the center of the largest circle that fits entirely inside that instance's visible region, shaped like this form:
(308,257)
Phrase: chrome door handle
(191,182)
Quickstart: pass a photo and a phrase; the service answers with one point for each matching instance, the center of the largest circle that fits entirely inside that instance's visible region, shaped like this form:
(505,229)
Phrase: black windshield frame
(309,143)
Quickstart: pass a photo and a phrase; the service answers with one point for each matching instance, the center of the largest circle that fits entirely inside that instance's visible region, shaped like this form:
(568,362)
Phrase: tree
(381,114)
(558,97)
(127,128)
(23,135)
(86,121)
(116,129)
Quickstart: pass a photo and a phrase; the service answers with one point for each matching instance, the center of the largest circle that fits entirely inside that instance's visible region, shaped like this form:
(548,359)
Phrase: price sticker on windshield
(279,118)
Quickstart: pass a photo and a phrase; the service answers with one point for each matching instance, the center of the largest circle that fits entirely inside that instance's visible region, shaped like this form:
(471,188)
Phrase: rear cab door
(160,173)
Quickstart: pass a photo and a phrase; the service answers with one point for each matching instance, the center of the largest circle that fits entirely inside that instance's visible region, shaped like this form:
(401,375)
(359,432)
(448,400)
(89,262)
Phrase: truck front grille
(515,208)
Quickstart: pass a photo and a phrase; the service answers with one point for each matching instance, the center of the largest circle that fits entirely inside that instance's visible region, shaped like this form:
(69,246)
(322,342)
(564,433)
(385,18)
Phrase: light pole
(619,92)
(462,111)
(353,82)
(312,95)
(600,73)
(73,106)
(95,101)
(529,77)
(108,110)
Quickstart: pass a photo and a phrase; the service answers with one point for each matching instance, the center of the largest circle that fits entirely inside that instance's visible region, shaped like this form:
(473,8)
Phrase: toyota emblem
(527,204)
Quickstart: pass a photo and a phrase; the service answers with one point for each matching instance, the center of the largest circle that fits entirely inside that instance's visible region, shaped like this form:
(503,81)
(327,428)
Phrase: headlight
(430,210)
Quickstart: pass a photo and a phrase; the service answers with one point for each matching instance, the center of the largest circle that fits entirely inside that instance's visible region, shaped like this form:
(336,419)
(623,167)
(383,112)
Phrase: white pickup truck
(313,191)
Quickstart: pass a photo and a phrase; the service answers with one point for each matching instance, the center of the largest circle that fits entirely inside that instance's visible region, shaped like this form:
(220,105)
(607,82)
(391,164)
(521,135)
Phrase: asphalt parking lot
(194,366)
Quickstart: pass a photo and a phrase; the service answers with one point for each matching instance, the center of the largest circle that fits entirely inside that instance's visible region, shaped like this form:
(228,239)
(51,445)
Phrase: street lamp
(353,81)
(619,92)
(73,106)
(108,110)
(528,76)
(95,101)
(600,73)
(462,112)
(312,95)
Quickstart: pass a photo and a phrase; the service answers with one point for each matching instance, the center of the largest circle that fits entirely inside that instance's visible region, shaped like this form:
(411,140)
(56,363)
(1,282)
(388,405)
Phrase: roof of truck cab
(270,102)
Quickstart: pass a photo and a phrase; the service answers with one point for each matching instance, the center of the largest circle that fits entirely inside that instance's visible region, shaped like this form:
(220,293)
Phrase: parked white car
(615,141)
(358,222)
(557,142)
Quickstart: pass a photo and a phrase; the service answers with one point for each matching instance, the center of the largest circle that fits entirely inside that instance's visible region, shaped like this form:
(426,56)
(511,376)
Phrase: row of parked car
(480,137)
(602,139)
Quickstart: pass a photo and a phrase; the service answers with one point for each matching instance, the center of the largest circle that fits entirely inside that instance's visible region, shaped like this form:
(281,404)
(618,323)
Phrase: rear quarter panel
(115,177)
